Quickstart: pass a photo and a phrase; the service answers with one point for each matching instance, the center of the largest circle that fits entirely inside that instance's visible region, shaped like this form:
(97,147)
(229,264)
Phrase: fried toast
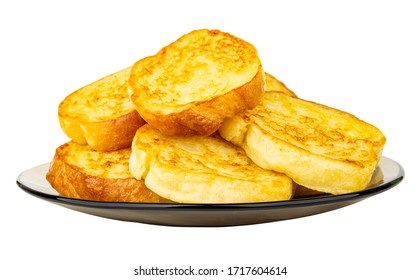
(319,147)
(273,84)
(101,114)
(192,84)
(202,169)
(78,171)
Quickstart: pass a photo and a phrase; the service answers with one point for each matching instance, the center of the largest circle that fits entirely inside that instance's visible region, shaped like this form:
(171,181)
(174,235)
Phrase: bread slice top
(192,84)
(104,99)
(199,169)
(273,84)
(101,114)
(319,147)
(78,171)
(107,165)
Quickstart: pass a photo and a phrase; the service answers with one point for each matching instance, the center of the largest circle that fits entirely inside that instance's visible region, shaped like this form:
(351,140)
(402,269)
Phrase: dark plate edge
(300,202)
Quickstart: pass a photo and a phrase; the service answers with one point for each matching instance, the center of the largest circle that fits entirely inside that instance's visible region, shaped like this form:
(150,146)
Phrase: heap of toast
(201,122)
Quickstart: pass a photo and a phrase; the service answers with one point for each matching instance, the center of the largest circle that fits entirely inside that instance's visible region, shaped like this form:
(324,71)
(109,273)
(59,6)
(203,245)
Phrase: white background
(358,56)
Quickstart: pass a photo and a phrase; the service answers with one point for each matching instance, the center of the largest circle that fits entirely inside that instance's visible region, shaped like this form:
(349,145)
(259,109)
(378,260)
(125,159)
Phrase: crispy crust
(108,135)
(74,181)
(200,169)
(192,84)
(204,118)
(101,114)
(319,147)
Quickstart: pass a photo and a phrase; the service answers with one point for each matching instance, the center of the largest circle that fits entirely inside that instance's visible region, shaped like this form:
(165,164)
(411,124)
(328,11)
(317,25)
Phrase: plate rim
(298,202)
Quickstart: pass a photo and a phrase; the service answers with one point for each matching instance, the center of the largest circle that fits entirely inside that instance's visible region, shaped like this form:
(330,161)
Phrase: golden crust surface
(101,114)
(78,171)
(273,84)
(192,84)
(319,147)
(200,169)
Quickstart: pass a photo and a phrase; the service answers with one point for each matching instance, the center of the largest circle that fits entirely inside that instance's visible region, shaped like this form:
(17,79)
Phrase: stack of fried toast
(201,122)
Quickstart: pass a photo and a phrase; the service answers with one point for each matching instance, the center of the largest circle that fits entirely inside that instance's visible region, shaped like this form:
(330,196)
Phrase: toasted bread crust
(109,135)
(319,147)
(191,85)
(101,114)
(199,169)
(77,171)
(204,118)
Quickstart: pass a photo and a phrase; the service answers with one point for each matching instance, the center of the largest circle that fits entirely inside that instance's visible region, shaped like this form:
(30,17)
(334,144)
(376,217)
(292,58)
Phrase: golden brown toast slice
(273,84)
(78,171)
(202,169)
(319,147)
(101,114)
(192,84)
